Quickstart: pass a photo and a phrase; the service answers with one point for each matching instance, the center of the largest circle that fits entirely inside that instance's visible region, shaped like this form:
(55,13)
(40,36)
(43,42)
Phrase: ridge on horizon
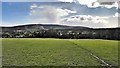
(56,25)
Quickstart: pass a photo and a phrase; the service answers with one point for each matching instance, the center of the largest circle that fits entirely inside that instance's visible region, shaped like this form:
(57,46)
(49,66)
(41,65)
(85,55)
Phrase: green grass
(57,52)
(104,49)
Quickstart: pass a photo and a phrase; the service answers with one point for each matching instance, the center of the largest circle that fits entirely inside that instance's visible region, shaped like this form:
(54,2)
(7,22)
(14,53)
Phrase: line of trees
(113,34)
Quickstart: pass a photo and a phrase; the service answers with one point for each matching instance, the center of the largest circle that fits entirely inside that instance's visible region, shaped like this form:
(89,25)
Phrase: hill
(59,31)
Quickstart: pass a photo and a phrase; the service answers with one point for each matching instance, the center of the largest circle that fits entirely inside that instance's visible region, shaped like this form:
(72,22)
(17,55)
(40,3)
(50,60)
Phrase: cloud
(88,18)
(72,14)
(113,22)
(107,3)
(70,11)
(47,14)
(33,6)
(96,3)
(91,21)
(116,14)
(89,3)
(65,0)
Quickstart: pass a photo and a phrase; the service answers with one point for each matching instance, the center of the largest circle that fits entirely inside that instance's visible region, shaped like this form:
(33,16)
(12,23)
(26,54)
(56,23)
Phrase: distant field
(59,52)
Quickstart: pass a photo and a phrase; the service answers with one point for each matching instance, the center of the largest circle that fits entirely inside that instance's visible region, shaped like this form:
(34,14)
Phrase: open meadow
(59,52)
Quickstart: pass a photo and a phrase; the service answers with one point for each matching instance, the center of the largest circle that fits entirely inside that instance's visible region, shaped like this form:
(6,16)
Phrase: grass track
(57,52)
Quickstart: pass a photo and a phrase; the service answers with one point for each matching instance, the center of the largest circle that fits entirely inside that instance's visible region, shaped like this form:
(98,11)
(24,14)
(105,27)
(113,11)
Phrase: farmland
(59,52)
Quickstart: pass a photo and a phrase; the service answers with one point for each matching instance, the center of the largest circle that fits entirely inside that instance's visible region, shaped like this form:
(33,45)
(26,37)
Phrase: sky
(89,13)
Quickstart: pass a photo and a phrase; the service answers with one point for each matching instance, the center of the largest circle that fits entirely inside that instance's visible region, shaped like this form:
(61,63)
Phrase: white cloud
(113,22)
(89,3)
(61,12)
(92,21)
(96,3)
(107,3)
(47,14)
(107,0)
(109,6)
(116,14)
(70,11)
(33,6)
(65,0)
(88,18)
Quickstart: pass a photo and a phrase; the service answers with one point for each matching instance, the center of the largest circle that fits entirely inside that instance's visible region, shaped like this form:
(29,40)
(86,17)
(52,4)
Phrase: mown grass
(104,49)
(57,52)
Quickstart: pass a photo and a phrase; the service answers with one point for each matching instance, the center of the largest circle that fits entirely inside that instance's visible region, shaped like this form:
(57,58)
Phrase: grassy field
(59,52)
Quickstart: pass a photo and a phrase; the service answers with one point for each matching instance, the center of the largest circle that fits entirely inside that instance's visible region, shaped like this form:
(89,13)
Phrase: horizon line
(53,24)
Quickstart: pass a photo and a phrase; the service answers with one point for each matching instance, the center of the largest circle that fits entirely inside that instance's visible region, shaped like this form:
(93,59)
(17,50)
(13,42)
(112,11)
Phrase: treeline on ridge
(84,33)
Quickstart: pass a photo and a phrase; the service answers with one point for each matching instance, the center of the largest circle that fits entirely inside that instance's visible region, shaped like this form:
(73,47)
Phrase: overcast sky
(90,13)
